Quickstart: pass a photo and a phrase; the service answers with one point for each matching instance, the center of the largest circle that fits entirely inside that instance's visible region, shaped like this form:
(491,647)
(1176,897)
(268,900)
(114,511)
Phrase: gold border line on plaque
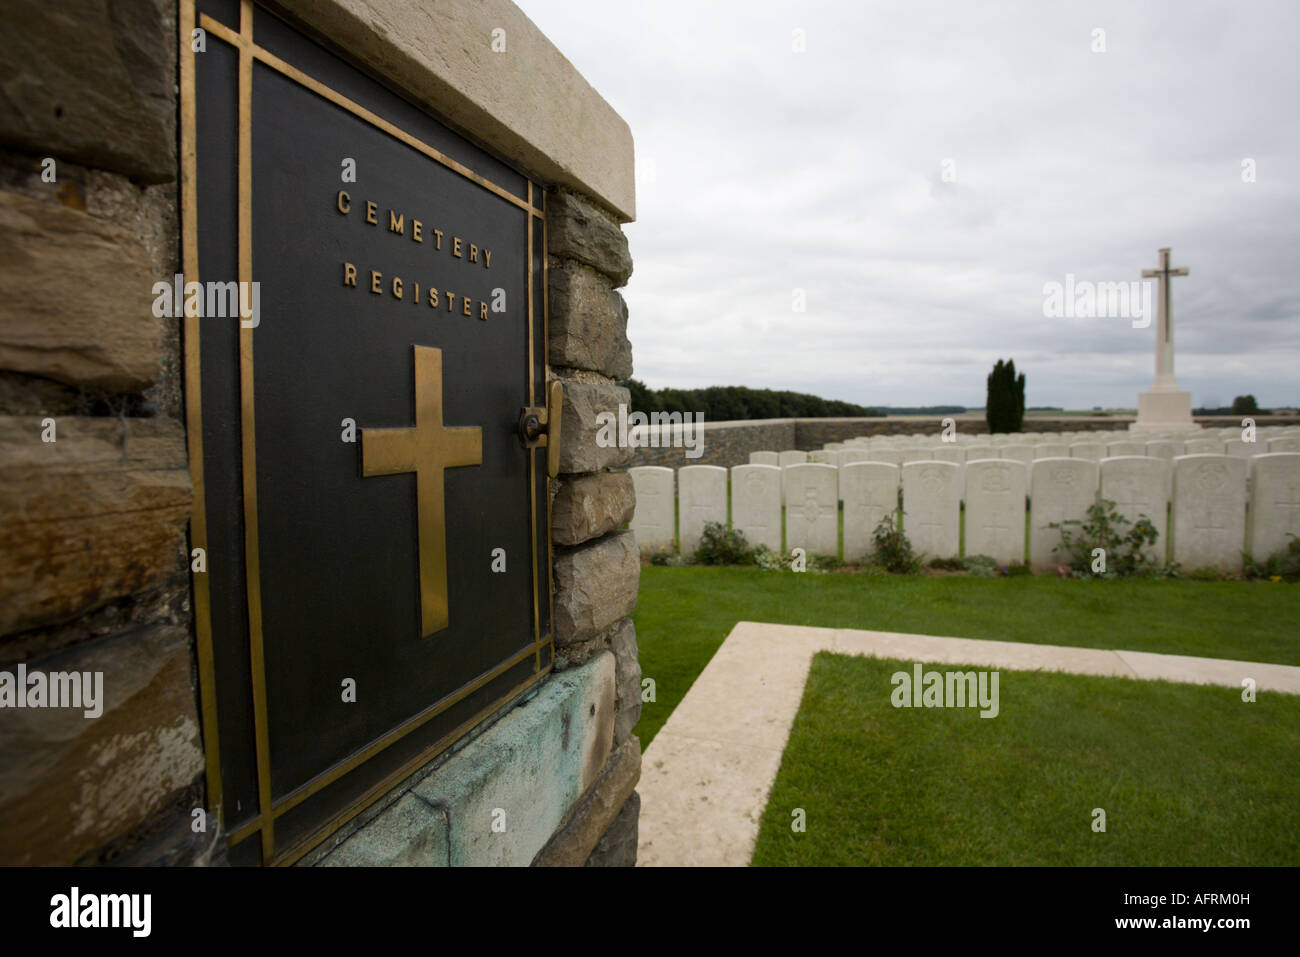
(269,810)
(194,417)
(546,389)
(532,453)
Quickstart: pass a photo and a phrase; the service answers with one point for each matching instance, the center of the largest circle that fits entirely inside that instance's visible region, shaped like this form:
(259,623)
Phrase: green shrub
(981,566)
(720,545)
(946,564)
(1282,565)
(1104,529)
(893,550)
(771,561)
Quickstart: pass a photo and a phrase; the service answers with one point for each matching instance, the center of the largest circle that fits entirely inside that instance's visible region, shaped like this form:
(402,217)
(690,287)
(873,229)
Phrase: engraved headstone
(1275,503)
(756,504)
(931,507)
(812,508)
(870,492)
(995,509)
(1209,511)
(653,522)
(1060,490)
(1139,486)
(702,492)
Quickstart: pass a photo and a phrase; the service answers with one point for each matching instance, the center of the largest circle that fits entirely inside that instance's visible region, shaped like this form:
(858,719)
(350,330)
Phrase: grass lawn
(684,614)
(1187,775)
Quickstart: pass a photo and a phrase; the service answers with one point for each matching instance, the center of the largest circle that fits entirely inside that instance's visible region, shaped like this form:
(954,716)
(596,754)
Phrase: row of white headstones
(1211,498)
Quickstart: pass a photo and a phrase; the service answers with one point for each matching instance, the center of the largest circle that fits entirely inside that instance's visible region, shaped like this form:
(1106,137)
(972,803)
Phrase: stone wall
(95,489)
(727,444)
(94,481)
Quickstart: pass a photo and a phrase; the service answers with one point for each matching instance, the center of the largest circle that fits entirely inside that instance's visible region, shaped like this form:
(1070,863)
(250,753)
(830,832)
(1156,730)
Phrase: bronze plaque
(364,306)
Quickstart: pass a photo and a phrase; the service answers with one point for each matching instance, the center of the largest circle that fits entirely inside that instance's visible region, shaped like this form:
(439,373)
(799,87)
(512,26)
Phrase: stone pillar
(95,488)
(597,566)
(94,483)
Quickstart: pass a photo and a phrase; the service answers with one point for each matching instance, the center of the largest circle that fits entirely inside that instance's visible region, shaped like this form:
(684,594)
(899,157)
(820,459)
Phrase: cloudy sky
(762,171)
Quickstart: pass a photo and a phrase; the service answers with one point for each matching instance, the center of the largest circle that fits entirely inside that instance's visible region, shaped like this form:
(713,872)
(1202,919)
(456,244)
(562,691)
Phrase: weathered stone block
(510,789)
(617,846)
(588,506)
(595,586)
(410,833)
(69,783)
(583,446)
(579,229)
(92,82)
(627,681)
(596,812)
(98,513)
(76,301)
(588,322)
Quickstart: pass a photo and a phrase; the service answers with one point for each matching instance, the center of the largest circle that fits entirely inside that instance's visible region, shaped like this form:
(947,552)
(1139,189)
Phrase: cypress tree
(1004,408)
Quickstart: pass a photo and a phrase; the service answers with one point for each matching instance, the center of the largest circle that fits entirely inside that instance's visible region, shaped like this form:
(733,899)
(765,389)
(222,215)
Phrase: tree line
(728,403)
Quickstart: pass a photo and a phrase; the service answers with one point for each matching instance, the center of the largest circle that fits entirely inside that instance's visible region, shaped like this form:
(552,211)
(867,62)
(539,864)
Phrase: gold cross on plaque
(426,450)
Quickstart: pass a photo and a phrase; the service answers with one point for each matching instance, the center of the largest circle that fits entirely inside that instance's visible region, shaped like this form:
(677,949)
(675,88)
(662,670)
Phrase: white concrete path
(706,776)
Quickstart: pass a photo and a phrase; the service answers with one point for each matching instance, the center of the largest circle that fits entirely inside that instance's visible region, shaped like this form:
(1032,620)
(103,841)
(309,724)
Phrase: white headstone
(915,453)
(948,453)
(1060,490)
(1139,486)
(1094,451)
(850,456)
(981,450)
(764,458)
(756,504)
(1164,449)
(1051,450)
(885,453)
(1209,511)
(1244,450)
(1284,443)
(792,457)
(995,509)
(870,492)
(1203,447)
(812,508)
(931,507)
(1275,505)
(1114,449)
(654,520)
(822,455)
(702,490)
